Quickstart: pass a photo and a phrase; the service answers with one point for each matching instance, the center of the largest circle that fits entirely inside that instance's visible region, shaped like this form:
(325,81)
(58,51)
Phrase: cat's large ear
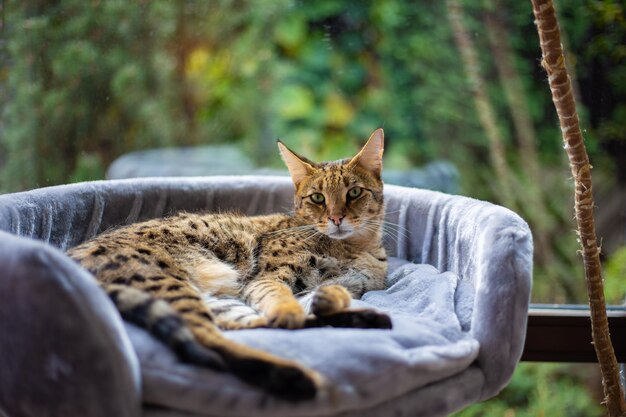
(370,157)
(298,166)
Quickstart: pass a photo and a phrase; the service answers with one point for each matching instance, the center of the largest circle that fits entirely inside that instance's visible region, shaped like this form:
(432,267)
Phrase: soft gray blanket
(362,367)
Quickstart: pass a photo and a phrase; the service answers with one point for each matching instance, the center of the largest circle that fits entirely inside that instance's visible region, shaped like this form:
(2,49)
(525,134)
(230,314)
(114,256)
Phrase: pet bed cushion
(459,318)
(362,367)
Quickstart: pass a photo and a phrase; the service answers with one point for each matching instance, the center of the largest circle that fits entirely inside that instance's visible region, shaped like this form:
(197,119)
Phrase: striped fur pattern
(188,277)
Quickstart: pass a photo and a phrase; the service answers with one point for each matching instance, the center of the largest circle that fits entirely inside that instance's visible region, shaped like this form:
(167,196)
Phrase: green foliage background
(83,82)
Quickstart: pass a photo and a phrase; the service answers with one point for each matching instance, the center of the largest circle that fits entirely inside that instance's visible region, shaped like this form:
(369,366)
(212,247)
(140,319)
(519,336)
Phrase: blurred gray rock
(229,160)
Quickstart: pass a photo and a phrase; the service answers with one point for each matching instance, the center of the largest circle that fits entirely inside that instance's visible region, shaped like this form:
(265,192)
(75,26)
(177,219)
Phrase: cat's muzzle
(341,231)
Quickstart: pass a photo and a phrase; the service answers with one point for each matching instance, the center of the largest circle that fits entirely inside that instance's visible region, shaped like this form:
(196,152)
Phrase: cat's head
(341,198)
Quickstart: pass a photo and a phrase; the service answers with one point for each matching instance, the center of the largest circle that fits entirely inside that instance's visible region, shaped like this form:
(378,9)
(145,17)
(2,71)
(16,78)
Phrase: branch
(484,108)
(563,98)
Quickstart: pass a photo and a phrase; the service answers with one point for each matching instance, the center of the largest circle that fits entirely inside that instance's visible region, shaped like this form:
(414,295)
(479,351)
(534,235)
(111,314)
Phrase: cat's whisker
(375,230)
(394,226)
(395,232)
(314,233)
(294,229)
(388,224)
(388,229)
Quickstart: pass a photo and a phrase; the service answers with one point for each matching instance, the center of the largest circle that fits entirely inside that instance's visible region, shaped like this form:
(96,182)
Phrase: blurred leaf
(290,32)
(615,277)
(293,101)
(88,167)
(339,112)
(539,389)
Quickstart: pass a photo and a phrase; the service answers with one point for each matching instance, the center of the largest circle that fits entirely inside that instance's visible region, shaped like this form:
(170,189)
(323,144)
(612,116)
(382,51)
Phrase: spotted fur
(187,277)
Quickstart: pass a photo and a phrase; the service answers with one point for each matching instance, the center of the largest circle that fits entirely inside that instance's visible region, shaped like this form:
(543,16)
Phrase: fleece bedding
(458,292)
(361,367)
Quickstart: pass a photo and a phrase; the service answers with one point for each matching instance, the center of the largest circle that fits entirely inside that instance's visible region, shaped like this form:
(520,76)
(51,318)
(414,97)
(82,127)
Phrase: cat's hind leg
(281,377)
(177,315)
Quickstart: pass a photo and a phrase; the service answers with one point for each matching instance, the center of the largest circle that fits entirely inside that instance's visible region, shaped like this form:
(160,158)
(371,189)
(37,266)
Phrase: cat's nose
(336,218)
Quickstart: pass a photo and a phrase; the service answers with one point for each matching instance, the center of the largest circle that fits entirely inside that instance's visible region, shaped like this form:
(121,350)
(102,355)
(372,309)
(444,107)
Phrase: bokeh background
(84,82)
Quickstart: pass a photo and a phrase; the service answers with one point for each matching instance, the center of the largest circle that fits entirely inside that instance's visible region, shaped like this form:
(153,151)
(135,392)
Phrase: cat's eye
(355,192)
(317,198)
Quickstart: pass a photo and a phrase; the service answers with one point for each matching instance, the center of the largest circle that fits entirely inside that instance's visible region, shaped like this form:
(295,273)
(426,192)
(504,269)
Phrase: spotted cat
(187,277)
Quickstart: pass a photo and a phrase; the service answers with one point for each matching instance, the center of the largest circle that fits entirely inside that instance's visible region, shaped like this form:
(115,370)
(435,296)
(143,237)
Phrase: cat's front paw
(330,299)
(286,315)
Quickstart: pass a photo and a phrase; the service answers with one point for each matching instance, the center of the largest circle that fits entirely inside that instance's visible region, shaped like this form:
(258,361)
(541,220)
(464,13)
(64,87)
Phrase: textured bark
(485,111)
(563,98)
(570,63)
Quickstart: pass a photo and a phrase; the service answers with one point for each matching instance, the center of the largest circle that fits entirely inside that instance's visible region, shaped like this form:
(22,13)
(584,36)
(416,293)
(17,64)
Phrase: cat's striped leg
(279,376)
(234,314)
(159,318)
(178,316)
(329,299)
(275,299)
(335,294)
(284,378)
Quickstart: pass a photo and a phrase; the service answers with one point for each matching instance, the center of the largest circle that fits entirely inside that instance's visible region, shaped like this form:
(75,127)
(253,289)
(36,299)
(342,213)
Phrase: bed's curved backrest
(487,246)
(69,214)
(421,226)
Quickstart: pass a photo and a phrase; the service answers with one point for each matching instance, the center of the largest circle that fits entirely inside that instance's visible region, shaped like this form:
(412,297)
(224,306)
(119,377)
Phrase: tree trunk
(563,98)
(485,111)
(504,60)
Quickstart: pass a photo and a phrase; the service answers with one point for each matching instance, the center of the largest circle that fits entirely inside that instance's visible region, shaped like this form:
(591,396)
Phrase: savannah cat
(187,276)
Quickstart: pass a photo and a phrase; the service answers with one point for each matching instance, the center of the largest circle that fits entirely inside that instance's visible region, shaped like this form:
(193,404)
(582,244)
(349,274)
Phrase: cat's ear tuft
(370,157)
(298,167)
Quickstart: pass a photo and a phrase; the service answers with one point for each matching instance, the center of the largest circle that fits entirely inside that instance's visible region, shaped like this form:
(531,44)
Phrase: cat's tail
(208,348)
(156,316)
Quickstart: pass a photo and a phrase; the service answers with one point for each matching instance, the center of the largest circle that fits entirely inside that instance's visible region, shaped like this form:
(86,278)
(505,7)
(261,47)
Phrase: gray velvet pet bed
(458,292)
